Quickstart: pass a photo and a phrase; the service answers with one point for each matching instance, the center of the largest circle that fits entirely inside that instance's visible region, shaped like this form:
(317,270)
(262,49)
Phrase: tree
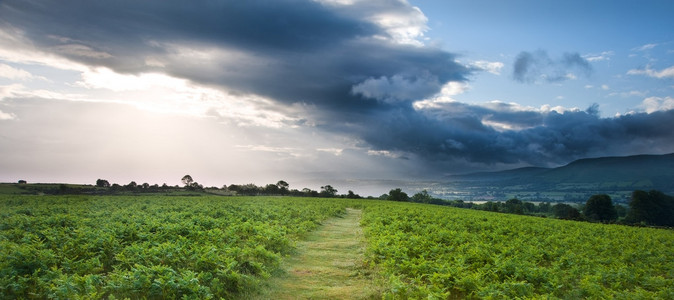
(514,206)
(102,183)
(187,180)
(397,195)
(282,186)
(490,206)
(271,189)
(652,208)
(600,208)
(307,192)
(621,210)
(565,211)
(352,195)
(131,186)
(245,189)
(328,191)
(422,197)
(195,186)
(544,207)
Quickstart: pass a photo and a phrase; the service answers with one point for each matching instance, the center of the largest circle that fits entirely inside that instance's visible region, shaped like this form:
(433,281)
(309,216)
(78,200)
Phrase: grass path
(328,265)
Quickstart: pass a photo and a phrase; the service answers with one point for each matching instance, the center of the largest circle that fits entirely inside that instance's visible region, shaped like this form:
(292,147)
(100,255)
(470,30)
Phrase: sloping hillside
(611,175)
(611,169)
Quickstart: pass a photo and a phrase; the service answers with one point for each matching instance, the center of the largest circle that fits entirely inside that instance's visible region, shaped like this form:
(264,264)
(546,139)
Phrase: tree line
(280,188)
(652,208)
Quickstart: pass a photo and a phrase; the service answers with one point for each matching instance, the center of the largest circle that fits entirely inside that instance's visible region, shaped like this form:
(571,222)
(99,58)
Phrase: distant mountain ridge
(625,168)
(619,172)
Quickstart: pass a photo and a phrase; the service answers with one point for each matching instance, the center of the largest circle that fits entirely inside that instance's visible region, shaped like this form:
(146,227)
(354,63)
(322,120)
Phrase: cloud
(507,133)
(401,22)
(333,151)
(606,55)
(356,69)
(280,151)
(385,153)
(489,66)
(289,50)
(398,88)
(633,93)
(664,73)
(6,116)
(10,72)
(653,104)
(537,66)
(645,47)
(80,50)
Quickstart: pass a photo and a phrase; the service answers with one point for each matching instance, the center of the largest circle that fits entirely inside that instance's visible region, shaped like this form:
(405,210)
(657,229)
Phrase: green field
(158,247)
(455,253)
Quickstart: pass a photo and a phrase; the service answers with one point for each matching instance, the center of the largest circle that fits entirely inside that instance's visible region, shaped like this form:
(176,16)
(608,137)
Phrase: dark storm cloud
(537,66)
(288,50)
(334,61)
(115,25)
(457,131)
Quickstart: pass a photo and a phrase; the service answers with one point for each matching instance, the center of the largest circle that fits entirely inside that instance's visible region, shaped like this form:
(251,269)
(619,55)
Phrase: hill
(617,176)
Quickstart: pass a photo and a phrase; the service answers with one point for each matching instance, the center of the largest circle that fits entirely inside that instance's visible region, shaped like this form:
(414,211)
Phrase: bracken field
(455,253)
(158,247)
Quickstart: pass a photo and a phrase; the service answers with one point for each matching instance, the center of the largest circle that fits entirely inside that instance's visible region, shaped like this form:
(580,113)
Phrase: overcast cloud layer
(359,69)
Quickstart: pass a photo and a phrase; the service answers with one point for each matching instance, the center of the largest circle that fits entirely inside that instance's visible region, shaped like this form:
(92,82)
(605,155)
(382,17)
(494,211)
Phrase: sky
(319,92)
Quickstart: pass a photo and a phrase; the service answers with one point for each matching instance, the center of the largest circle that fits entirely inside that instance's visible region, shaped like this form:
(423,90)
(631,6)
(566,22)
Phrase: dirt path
(328,265)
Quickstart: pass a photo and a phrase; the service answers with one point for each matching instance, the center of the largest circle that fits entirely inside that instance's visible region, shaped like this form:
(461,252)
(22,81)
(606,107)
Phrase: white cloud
(516,107)
(630,94)
(6,116)
(405,27)
(489,66)
(605,87)
(104,78)
(283,151)
(665,73)
(645,47)
(653,104)
(9,91)
(606,55)
(156,92)
(333,151)
(403,23)
(21,91)
(10,72)
(454,88)
(558,108)
(384,153)
(448,90)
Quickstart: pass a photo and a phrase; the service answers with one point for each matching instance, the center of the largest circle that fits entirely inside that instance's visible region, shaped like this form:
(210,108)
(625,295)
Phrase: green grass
(327,265)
